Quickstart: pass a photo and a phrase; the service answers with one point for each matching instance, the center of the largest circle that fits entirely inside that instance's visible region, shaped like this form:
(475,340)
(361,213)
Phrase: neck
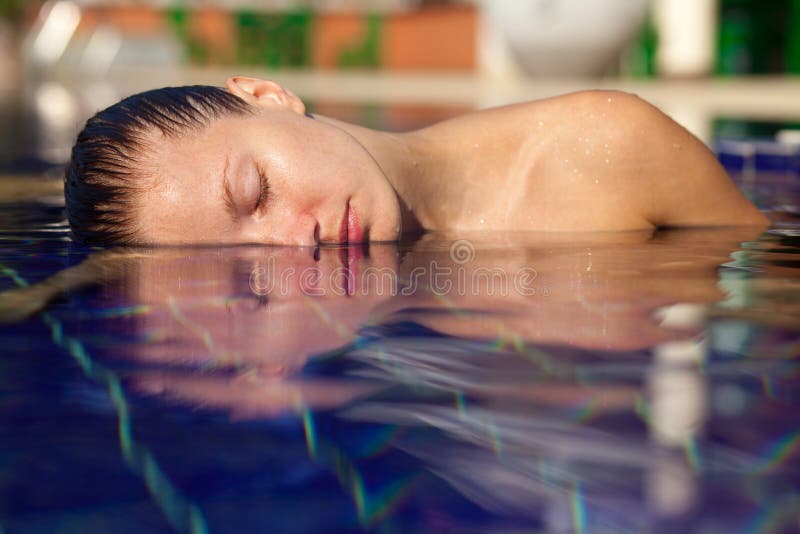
(411,165)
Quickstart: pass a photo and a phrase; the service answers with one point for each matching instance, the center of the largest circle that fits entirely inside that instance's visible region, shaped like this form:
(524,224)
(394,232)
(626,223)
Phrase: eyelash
(264,194)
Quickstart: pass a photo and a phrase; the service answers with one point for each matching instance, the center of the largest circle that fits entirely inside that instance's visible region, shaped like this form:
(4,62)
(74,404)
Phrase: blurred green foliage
(757,37)
(179,20)
(737,128)
(365,54)
(641,60)
(274,39)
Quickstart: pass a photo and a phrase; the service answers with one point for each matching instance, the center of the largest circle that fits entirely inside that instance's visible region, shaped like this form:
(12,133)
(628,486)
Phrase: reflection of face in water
(262,312)
(261,309)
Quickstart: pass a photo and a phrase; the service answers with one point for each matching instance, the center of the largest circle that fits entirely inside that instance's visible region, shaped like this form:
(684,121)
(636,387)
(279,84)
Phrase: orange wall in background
(215,28)
(332,34)
(433,38)
(437,37)
(140,21)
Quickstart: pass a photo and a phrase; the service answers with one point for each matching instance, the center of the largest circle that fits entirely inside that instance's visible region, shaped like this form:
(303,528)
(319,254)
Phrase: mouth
(350,233)
(350,230)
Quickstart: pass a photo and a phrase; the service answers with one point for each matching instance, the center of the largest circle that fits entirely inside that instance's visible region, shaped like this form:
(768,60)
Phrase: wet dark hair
(105,169)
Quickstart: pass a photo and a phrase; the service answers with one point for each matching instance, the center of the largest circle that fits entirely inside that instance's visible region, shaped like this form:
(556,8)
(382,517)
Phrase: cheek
(297,191)
(318,166)
(334,159)
(316,179)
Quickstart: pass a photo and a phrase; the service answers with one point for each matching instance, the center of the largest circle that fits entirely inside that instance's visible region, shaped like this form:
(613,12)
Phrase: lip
(344,227)
(350,230)
(350,233)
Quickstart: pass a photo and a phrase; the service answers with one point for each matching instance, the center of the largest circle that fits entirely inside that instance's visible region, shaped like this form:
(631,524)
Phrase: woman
(203,165)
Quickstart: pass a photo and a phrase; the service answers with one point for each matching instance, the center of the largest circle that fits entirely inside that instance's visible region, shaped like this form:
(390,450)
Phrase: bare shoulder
(594,160)
(654,170)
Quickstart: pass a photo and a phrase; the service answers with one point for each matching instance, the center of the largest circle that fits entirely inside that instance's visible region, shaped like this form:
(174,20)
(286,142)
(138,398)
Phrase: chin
(382,234)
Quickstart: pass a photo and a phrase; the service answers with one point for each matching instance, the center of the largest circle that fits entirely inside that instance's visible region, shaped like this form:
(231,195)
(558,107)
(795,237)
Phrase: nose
(303,230)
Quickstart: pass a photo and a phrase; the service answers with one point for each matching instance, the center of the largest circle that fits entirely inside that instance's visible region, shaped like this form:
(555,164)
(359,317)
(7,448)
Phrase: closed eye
(264,191)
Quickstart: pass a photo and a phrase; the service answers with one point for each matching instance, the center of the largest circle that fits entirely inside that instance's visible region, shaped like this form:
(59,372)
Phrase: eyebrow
(230,205)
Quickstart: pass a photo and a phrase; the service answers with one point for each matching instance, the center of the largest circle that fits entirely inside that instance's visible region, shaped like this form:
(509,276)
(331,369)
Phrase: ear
(264,93)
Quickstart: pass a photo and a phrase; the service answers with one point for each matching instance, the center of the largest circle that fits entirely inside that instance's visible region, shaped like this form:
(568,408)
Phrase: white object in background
(686,36)
(57,23)
(494,54)
(788,137)
(101,50)
(57,115)
(564,37)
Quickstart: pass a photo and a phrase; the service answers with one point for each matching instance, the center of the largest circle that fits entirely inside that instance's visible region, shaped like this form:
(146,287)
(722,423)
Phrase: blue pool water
(491,383)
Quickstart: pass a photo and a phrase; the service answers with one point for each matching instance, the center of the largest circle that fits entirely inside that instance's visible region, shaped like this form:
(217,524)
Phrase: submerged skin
(588,161)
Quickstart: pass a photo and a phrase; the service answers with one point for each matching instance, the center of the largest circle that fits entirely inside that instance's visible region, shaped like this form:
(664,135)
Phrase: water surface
(622,382)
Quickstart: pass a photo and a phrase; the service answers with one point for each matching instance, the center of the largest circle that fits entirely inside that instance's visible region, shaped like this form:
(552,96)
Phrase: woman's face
(276,176)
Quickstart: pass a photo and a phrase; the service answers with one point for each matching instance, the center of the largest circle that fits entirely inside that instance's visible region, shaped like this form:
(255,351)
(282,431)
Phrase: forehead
(182,202)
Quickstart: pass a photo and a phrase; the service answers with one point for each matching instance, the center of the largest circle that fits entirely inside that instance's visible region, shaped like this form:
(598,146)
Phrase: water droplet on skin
(608,160)
(540,123)
(597,182)
(482,221)
(610,99)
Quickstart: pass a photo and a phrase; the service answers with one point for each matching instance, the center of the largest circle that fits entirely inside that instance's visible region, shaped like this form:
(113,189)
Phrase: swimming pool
(476,383)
